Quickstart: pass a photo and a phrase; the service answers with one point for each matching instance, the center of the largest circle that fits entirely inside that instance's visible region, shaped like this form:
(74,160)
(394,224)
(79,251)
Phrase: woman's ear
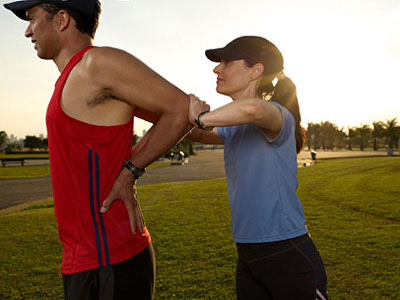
(258,70)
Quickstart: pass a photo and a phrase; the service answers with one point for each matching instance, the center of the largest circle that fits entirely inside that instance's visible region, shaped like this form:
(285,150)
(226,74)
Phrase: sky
(343,55)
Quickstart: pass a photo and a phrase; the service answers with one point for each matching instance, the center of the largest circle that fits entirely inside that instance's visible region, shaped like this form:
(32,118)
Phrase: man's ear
(62,19)
(258,70)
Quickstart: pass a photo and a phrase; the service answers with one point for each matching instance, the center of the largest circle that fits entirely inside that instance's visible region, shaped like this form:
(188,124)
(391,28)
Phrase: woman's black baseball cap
(253,49)
(19,8)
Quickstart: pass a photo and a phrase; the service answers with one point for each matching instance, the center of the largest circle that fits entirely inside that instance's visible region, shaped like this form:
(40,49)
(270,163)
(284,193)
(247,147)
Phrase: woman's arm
(196,106)
(258,111)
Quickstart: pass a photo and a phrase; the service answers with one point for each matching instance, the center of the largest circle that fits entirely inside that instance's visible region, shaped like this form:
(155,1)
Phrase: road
(207,164)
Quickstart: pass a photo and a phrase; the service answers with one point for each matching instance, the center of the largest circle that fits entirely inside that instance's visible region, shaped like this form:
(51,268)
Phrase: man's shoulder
(102,55)
(106,50)
(101,58)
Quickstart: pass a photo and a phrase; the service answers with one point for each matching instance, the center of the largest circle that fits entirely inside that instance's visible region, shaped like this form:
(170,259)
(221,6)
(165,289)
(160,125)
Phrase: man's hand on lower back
(124,189)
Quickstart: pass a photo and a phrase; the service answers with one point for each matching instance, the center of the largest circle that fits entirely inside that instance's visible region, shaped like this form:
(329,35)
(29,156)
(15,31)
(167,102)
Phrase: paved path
(19,191)
(206,164)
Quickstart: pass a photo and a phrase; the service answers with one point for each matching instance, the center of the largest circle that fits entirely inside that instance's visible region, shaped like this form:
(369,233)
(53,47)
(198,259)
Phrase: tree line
(323,135)
(327,136)
(30,141)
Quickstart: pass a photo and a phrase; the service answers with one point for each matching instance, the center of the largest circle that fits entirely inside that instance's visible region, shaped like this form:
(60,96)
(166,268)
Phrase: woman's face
(234,79)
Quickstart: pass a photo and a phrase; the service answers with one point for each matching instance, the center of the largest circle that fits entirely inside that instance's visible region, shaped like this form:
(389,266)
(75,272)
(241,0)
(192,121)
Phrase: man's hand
(124,189)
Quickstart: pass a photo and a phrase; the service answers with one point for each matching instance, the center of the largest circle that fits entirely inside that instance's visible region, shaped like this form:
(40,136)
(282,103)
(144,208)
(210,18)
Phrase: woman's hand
(196,106)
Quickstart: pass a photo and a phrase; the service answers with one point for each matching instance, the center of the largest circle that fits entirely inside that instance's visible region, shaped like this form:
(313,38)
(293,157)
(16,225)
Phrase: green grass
(44,156)
(13,172)
(16,171)
(352,208)
(158,165)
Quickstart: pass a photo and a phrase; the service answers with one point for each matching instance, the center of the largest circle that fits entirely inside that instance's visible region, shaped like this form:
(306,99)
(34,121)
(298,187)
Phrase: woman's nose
(217,69)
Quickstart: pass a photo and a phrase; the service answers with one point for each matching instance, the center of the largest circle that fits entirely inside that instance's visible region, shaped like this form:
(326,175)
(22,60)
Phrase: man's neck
(66,53)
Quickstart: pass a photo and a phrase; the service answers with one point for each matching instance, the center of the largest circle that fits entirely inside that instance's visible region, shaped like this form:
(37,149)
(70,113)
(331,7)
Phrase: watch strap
(200,124)
(137,172)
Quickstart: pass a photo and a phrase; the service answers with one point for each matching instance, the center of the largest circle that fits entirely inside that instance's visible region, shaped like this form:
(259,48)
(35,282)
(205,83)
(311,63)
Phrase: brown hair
(284,93)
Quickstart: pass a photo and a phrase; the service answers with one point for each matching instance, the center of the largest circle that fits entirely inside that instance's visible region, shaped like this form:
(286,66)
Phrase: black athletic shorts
(132,279)
(284,270)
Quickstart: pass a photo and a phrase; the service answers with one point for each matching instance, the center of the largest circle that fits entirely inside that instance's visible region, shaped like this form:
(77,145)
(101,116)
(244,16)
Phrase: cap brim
(216,55)
(19,7)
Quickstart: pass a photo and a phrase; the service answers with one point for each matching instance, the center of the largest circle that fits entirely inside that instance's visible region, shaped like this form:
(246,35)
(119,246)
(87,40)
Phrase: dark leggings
(132,279)
(284,270)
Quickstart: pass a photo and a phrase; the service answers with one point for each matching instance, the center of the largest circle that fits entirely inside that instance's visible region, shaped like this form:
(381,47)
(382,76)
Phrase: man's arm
(204,137)
(129,80)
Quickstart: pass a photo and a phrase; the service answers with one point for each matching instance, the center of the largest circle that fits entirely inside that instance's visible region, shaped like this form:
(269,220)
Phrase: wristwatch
(200,124)
(137,172)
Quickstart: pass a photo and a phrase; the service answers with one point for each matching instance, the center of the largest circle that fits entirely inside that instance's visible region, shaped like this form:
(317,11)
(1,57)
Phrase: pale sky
(343,55)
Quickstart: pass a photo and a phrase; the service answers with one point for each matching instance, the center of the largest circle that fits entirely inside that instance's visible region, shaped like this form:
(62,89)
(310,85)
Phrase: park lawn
(36,156)
(159,164)
(352,209)
(14,172)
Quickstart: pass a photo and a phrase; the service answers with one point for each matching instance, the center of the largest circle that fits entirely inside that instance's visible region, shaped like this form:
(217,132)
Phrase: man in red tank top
(90,126)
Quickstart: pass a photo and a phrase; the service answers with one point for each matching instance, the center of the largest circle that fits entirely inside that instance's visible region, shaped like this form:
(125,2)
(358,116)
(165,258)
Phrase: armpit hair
(100,99)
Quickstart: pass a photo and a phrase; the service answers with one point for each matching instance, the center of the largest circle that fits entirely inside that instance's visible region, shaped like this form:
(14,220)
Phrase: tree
(309,135)
(313,134)
(12,147)
(325,135)
(45,143)
(32,142)
(351,135)
(377,132)
(135,139)
(391,132)
(186,146)
(3,138)
(341,138)
(329,135)
(363,132)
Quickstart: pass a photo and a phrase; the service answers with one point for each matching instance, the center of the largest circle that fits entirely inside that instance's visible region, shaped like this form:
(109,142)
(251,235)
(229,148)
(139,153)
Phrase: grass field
(352,207)
(36,156)
(13,172)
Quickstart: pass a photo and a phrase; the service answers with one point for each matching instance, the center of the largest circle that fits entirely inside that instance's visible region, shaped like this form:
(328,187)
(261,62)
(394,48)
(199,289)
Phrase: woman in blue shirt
(262,135)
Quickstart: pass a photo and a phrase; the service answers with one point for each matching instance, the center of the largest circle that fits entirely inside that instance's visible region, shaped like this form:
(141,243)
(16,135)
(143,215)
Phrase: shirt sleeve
(222,132)
(288,125)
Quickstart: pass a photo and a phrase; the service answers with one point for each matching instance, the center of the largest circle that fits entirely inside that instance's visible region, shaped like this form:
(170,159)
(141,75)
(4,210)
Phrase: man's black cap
(254,49)
(19,8)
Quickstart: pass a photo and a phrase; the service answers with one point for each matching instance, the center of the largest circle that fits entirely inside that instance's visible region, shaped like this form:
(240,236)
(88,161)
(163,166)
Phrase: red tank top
(85,160)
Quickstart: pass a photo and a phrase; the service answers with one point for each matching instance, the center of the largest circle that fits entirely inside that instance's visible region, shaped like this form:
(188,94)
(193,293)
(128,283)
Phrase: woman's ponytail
(285,94)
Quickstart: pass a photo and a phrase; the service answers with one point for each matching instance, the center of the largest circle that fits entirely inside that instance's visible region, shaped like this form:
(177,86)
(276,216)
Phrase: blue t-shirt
(262,181)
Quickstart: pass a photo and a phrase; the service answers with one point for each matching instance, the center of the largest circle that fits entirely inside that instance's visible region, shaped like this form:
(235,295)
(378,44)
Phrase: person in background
(261,130)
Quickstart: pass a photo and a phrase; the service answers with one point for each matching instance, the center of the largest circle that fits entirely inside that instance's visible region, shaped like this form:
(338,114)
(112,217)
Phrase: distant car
(177,158)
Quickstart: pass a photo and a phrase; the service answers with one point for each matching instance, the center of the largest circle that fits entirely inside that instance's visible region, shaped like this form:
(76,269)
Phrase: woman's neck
(247,94)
